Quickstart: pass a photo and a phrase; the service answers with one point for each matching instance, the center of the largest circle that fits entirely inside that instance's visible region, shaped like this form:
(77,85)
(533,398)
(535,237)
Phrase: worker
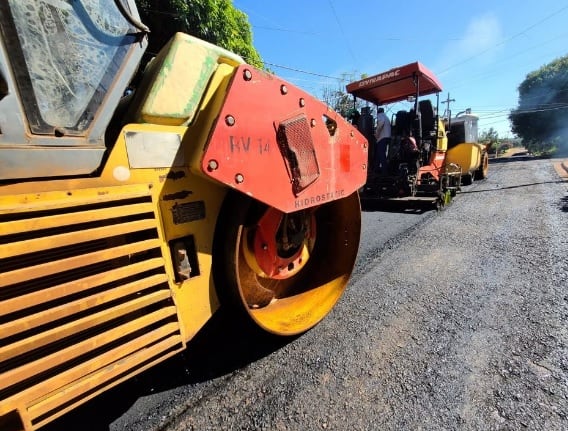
(383,136)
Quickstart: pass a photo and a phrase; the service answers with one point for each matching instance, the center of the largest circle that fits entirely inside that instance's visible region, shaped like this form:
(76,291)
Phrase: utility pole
(448,111)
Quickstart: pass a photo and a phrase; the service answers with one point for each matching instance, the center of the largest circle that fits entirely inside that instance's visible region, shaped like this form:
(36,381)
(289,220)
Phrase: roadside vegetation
(541,118)
(215,21)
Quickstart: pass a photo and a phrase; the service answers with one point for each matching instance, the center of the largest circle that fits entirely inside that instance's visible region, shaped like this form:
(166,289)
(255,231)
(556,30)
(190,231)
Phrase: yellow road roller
(134,203)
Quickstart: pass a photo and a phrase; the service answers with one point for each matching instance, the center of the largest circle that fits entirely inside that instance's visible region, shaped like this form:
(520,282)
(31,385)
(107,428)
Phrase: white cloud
(479,43)
(482,33)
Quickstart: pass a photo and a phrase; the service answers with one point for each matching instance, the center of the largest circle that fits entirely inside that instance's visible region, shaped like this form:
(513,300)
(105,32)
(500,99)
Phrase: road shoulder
(561,167)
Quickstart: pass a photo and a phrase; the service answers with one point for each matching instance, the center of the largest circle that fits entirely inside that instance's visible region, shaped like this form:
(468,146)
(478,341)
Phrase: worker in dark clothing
(383,136)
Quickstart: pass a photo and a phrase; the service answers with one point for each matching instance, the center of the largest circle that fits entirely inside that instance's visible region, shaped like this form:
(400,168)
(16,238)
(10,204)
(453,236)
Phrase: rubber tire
(482,171)
(305,298)
(467,179)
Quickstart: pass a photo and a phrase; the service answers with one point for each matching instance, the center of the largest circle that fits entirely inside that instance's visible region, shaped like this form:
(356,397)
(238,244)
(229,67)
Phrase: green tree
(491,138)
(338,98)
(215,21)
(541,118)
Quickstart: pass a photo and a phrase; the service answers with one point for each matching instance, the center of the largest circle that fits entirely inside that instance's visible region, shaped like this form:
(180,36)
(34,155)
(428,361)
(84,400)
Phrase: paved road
(454,320)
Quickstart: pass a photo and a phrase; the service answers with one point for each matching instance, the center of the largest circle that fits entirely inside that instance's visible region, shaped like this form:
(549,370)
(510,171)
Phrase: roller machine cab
(464,149)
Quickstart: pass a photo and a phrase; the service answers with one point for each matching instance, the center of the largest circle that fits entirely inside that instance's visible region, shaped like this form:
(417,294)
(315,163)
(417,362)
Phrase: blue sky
(480,50)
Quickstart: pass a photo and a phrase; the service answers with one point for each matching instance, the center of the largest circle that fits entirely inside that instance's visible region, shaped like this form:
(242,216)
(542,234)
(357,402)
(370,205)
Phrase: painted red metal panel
(395,84)
(271,141)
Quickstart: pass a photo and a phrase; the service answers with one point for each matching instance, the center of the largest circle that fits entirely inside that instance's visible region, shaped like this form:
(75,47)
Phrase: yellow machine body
(468,155)
(464,148)
(442,138)
(109,232)
(113,228)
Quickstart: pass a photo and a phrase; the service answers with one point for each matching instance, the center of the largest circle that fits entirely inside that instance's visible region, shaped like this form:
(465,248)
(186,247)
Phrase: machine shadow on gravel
(519,186)
(220,348)
(564,204)
(512,159)
(393,206)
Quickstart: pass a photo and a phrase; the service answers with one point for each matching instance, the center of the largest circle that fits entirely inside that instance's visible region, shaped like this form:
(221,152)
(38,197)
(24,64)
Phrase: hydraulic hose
(126,14)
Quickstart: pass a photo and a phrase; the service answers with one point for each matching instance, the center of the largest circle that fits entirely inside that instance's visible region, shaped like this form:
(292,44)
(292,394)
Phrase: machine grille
(297,148)
(84,298)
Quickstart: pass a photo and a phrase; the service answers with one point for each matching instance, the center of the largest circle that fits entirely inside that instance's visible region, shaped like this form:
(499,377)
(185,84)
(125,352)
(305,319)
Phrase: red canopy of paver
(396,84)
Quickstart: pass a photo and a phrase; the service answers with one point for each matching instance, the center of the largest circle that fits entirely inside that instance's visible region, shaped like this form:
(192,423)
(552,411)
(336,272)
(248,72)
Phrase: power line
(500,70)
(400,39)
(304,71)
(524,108)
(528,111)
(533,110)
(505,40)
(286,30)
(492,122)
(343,32)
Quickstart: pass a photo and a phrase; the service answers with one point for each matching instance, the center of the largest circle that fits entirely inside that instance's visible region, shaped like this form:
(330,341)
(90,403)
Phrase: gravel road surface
(452,320)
